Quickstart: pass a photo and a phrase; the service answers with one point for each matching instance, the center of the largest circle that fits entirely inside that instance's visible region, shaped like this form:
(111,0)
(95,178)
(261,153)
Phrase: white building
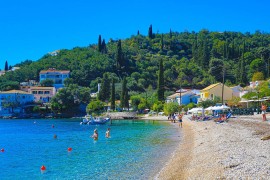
(13,101)
(58,77)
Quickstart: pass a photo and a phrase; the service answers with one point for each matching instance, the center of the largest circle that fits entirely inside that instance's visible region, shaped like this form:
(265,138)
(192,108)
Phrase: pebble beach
(229,150)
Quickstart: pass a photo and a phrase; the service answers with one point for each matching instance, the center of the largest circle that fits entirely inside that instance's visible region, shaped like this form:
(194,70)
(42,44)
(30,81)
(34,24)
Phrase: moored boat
(88,119)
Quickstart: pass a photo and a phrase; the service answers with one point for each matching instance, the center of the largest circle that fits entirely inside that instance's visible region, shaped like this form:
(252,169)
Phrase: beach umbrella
(209,108)
(223,107)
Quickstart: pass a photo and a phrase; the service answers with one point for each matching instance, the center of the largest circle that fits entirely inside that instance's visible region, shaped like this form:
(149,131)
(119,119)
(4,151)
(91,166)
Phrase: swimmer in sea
(95,135)
(108,133)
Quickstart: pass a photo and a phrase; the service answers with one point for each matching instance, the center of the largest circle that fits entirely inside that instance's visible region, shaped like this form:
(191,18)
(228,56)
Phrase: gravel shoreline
(232,150)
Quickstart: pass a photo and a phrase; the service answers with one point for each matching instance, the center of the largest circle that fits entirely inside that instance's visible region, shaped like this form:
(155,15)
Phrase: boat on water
(90,120)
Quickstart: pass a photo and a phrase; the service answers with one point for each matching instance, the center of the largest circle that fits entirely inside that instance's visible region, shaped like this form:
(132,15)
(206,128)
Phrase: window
(40,92)
(34,92)
(47,92)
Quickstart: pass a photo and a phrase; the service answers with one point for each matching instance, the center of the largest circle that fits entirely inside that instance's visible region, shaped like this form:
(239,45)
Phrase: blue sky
(31,28)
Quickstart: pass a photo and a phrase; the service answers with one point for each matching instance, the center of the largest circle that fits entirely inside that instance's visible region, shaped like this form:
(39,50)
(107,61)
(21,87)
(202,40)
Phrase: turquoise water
(136,149)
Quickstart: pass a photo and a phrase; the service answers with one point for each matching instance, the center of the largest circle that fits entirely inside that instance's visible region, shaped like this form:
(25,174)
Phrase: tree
(119,56)
(160,90)
(63,101)
(135,101)
(216,69)
(113,95)
(170,108)
(104,93)
(150,32)
(47,83)
(6,66)
(258,76)
(95,107)
(123,98)
(158,106)
(99,43)
(138,32)
(103,47)
(161,42)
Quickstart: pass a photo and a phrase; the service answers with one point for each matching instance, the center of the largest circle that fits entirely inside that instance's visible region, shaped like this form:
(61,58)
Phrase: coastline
(220,151)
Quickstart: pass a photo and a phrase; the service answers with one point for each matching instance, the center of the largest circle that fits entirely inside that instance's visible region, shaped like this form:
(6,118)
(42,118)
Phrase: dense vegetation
(189,59)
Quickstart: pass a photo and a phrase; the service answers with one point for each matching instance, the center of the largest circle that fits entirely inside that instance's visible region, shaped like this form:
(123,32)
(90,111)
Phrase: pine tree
(99,43)
(160,90)
(123,93)
(150,32)
(103,47)
(6,66)
(113,96)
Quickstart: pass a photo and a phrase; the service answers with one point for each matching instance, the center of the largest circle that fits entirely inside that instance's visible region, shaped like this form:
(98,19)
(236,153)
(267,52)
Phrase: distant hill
(192,59)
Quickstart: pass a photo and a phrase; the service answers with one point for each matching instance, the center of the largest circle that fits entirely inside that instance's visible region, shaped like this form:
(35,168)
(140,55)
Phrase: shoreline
(221,151)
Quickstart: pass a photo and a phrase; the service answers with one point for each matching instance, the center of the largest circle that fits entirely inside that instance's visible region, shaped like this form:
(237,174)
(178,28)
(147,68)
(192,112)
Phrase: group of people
(107,134)
(174,117)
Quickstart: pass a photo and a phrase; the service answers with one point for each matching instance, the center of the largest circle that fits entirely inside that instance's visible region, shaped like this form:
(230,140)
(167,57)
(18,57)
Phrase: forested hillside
(194,59)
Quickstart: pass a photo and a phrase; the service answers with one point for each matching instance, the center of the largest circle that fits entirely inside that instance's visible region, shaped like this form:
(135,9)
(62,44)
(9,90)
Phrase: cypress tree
(162,42)
(103,47)
(138,32)
(123,93)
(113,96)
(170,33)
(195,51)
(104,93)
(150,32)
(99,43)
(119,55)
(6,66)
(205,55)
(126,99)
(160,90)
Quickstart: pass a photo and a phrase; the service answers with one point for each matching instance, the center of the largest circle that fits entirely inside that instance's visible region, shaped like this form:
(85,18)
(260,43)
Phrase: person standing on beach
(263,108)
(180,116)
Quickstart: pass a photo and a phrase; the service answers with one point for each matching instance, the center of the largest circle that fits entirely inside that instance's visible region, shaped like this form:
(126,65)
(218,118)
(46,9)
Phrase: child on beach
(263,108)
(95,135)
(108,134)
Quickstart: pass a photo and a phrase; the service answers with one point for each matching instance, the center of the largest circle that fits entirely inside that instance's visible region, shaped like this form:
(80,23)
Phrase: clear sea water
(136,149)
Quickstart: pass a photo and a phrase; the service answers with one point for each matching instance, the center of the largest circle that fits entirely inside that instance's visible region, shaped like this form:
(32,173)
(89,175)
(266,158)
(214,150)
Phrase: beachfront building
(58,77)
(13,101)
(42,94)
(187,96)
(215,90)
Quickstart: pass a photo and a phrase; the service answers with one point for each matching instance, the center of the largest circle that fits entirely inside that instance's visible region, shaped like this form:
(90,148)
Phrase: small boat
(88,119)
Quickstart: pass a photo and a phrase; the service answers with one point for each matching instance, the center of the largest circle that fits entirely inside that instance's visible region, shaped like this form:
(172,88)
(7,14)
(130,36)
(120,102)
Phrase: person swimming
(108,133)
(95,135)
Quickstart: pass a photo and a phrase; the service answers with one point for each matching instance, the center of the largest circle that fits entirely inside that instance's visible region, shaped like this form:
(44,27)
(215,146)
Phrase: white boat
(88,119)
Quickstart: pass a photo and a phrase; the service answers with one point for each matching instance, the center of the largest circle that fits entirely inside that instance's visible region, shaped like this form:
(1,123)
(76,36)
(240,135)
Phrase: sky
(30,29)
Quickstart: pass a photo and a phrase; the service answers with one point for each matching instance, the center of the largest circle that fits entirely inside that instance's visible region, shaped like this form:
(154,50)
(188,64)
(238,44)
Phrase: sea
(136,149)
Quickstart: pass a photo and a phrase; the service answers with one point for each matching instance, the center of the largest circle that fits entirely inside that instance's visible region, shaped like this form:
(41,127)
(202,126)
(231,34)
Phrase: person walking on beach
(95,135)
(108,133)
(180,116)
(263,108)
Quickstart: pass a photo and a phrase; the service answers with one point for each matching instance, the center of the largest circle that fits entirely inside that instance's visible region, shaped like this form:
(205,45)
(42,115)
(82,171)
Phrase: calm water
(136,149)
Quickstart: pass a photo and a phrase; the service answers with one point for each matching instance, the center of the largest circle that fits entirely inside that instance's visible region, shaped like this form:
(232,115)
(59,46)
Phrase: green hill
(194,59)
